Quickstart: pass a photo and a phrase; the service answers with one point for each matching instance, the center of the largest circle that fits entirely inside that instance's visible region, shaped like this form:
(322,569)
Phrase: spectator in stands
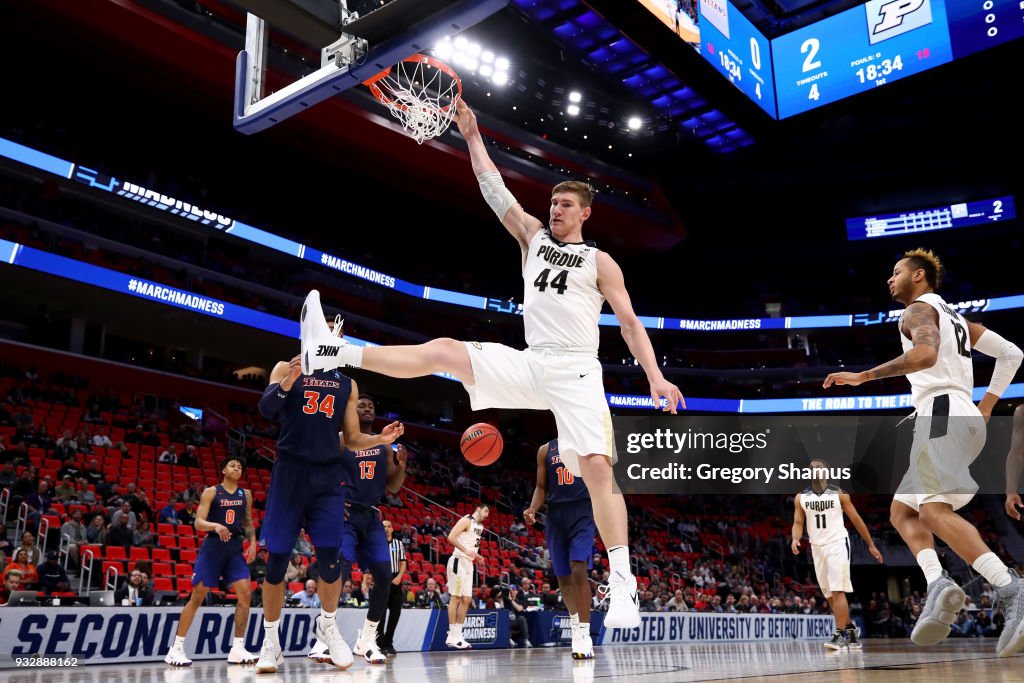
(84,494)
(189,458)
(258,568)
(75,531)
(187,514)
(393,499)
(170,455)
(21,563)
(95,476)
(96,532)
(52,577)
(308,597)
(101,440)
(429,528)
(345,599)
(677,603)
(7,475)
(93,415)
(143,536)
(409,593)
(135,591)
(136,436)
(502,598)
(302,544)
(39,503)
(70,468)
(66,446)
(192,493)
(196,438)
(65,491)
(11,583)
(84,442)
(296,570)
(28,544)
(120,534)
(430,596)
(124,511)
(169,513)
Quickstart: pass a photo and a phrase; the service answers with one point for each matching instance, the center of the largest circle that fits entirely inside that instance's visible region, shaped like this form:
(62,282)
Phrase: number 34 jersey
(562,303)
(953,370)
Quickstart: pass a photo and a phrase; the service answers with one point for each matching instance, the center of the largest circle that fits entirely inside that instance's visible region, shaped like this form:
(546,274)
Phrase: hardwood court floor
(891,661)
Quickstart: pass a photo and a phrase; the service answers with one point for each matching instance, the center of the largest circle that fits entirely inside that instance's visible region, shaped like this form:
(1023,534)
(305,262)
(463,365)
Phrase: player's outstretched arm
(282,377)
(851,511)
(540,489)
(921,326)
(203,511)
(1008,358)
(1015,465)
(798,525)
(354,439)
(613,286)
(519,224)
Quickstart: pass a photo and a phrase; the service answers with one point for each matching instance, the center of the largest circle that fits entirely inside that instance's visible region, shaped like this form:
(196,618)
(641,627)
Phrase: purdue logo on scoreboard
(891,18)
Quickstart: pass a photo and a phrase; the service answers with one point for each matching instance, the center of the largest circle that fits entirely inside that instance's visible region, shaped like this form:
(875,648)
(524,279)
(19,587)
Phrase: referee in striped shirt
(396,548)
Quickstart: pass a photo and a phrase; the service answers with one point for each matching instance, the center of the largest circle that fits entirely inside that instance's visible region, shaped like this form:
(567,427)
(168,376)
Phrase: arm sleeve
(272,401)
(1008,358)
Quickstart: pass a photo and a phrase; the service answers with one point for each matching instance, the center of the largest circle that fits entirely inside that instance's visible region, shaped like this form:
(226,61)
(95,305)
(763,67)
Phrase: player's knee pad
(329,561)
(277,566)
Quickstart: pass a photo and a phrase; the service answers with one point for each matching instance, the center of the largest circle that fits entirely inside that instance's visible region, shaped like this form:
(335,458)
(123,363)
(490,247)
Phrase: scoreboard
(938,218)
(860,49)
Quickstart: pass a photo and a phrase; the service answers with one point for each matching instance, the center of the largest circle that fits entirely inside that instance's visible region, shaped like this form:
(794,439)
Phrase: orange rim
(371,83)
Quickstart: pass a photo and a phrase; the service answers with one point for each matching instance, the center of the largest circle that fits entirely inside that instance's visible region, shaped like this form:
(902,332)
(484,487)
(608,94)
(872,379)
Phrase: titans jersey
(824,515)
(366,473)
(312,417)
(562,487)
(953,369)
(471,537)
(562,304)
(228,509)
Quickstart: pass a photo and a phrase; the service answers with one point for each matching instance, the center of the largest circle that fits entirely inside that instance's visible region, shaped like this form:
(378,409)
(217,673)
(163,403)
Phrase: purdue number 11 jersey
(953,369)
(562,303)
(823,515)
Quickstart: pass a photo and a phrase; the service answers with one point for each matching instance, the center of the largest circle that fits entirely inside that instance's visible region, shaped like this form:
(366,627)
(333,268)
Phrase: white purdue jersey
(823,514)
(953,369)
(470,538)
(562,304)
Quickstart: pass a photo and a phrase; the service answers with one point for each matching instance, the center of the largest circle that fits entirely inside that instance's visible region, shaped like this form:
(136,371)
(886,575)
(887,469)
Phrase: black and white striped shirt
(397,550)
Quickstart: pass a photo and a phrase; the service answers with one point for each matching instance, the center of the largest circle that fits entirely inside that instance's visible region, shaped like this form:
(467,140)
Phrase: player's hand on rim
(465,119)
(1012,503)
(851,378)
(663,388)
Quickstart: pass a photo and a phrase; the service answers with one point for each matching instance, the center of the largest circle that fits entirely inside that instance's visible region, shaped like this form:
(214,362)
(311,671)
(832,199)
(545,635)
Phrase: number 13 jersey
(952,369)
(562,304)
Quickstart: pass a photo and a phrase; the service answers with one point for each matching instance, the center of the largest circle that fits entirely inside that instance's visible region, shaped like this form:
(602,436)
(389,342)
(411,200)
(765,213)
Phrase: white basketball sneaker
(320,347)
(582,645)
(367,648)
(271,657)
(177,656)
(239,655)
(319,652)
(624,604)
(337,648)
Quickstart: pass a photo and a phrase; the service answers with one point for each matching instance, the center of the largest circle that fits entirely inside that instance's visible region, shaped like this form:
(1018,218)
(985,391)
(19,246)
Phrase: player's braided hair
(927,261)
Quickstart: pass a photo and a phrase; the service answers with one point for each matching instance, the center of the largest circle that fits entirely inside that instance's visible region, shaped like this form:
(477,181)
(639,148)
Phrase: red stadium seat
(162,554)
(183,570)
(116,552)
(137,554)
(187,555)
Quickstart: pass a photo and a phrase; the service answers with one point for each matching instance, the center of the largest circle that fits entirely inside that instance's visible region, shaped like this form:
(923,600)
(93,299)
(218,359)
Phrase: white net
(420,95)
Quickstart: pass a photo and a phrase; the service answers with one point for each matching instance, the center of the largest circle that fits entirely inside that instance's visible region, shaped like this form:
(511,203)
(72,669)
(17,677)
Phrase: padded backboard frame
(392,33)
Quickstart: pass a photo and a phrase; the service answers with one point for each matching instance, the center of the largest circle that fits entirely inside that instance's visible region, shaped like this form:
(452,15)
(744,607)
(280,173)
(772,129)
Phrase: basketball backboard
(366,46)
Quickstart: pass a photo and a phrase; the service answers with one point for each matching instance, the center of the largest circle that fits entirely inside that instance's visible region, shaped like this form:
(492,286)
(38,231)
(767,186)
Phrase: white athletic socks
(327,616)
(239,643)
(270,630)
(370,626)
(179,641)
(350,355)
(929,563)
(574,619)
(618,561)
(992,568)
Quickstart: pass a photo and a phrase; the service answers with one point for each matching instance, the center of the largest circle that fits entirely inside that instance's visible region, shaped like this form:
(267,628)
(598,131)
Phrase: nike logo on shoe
(582,376)
(635,600)
(325,350)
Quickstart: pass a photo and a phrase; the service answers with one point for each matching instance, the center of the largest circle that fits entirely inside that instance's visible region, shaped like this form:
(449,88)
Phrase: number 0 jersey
(562,304)
(823,515)
(953,369)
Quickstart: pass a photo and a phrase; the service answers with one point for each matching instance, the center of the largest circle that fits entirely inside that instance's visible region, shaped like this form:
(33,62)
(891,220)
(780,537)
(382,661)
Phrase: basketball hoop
(421,93)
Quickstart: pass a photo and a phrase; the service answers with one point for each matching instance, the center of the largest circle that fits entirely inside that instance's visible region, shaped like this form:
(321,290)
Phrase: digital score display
(858,50)
(976,25)
(939,218)
(738,50)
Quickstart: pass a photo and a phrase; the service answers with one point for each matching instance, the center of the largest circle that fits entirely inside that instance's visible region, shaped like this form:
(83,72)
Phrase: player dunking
(225,514)
(570,538)
(948,435)
(566,281)
(465,537)
(825,505)
(367,474)
(307,490)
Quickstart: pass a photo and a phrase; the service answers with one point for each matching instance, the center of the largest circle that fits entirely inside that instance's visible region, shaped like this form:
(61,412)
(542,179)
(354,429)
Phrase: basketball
(481,444)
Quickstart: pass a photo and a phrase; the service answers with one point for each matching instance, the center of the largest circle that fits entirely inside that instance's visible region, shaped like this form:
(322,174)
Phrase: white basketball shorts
(832,566)
(569,385)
